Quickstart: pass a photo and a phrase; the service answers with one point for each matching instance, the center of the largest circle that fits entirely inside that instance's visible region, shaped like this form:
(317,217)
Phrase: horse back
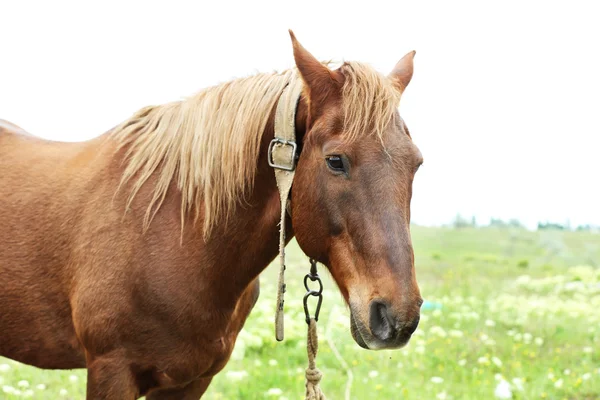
(42,184)
(9,127)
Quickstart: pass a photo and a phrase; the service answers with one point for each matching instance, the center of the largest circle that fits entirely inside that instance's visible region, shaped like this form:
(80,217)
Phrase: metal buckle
(284,142)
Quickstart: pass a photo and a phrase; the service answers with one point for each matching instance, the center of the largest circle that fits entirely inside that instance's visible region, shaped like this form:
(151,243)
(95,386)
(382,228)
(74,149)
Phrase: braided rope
(313,375)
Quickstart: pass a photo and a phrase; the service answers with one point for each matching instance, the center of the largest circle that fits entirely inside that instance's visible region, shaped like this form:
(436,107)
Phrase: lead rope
(313,375)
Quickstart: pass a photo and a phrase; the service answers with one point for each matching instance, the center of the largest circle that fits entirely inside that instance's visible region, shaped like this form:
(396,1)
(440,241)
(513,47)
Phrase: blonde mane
(209,144)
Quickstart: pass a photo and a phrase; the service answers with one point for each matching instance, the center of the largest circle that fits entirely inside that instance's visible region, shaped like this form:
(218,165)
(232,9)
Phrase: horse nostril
(379,321)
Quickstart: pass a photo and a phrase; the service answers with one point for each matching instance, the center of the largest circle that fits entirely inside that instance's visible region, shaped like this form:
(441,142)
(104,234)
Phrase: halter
(282,156)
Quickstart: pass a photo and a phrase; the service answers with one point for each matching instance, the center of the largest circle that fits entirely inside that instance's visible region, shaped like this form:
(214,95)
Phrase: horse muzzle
(384,329)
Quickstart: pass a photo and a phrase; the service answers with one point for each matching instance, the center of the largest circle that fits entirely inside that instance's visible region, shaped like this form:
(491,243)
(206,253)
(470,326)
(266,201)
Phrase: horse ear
(319,79)
(403,71)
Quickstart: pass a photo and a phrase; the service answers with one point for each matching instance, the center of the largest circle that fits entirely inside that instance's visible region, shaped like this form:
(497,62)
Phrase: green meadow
(509,313)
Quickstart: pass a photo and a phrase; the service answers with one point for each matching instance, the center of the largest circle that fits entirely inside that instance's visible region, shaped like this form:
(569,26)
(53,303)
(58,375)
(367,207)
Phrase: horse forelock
(369,101)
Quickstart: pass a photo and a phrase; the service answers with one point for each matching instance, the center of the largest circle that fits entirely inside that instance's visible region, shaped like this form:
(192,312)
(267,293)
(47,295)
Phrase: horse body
(136,254)
(86,281)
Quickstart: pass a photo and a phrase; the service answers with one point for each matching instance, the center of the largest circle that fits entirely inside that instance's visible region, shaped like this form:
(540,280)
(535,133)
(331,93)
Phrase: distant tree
(461,222)
(550,226)
(497,222)
(515,223)
(588,228)
(500,223)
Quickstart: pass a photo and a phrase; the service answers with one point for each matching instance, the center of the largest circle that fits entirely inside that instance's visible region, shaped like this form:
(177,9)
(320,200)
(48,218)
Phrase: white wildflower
(4,367)
(497,361)
(373,374)
(438,330)
(28,393)
(8,389)
(23,384)
(437,379)
(503,390)
(586,376)
(442,395)
(489,322)
(40,386)
(558,384)
(567,372)
(518,384)
(585,350)
(274,392)
(236,375)
(518,337)
(63,392)
(73,378)
(539,341)
(273,363)
(456,333)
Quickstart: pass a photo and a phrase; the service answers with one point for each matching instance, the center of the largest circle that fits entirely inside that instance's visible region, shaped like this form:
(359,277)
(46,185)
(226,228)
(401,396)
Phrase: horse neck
(249,241)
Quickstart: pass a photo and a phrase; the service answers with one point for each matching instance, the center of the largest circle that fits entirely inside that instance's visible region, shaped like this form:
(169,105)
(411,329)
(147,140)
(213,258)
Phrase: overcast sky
(504,103)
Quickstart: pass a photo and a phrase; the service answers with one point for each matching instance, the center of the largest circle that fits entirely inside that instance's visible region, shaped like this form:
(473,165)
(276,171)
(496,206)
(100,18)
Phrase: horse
(136,254)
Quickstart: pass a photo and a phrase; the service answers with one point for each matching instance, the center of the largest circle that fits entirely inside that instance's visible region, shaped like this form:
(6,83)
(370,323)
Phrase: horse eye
(335,163)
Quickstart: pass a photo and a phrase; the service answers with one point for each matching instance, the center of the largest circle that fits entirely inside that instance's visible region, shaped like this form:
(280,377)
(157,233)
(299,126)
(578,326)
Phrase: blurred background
(504,106)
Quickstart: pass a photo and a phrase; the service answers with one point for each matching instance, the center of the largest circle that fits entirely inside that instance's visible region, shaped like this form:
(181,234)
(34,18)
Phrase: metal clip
(314,277)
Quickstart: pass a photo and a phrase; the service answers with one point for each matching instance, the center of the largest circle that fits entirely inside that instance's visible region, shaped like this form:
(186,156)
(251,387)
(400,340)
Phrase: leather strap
(282,157)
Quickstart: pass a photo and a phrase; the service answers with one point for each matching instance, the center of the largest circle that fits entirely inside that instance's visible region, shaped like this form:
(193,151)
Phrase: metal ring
(313,278)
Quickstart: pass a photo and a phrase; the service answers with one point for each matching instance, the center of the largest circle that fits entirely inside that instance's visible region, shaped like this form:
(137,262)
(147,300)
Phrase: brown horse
(136,254)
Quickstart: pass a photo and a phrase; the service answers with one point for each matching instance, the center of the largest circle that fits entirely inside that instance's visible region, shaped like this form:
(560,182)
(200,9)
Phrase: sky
(504,103)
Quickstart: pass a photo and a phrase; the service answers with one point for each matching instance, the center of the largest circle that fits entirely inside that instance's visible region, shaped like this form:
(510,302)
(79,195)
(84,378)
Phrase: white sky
(504,101)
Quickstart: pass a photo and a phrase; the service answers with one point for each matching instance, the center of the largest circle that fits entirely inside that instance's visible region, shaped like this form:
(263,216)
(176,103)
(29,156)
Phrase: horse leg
(110,378)
(193,391)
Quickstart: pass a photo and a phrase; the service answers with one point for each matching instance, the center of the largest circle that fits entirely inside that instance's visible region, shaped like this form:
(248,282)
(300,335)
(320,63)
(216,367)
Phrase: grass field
(508,314)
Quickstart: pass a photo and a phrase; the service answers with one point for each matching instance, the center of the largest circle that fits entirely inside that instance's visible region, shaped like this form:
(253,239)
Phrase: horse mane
(208,144)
